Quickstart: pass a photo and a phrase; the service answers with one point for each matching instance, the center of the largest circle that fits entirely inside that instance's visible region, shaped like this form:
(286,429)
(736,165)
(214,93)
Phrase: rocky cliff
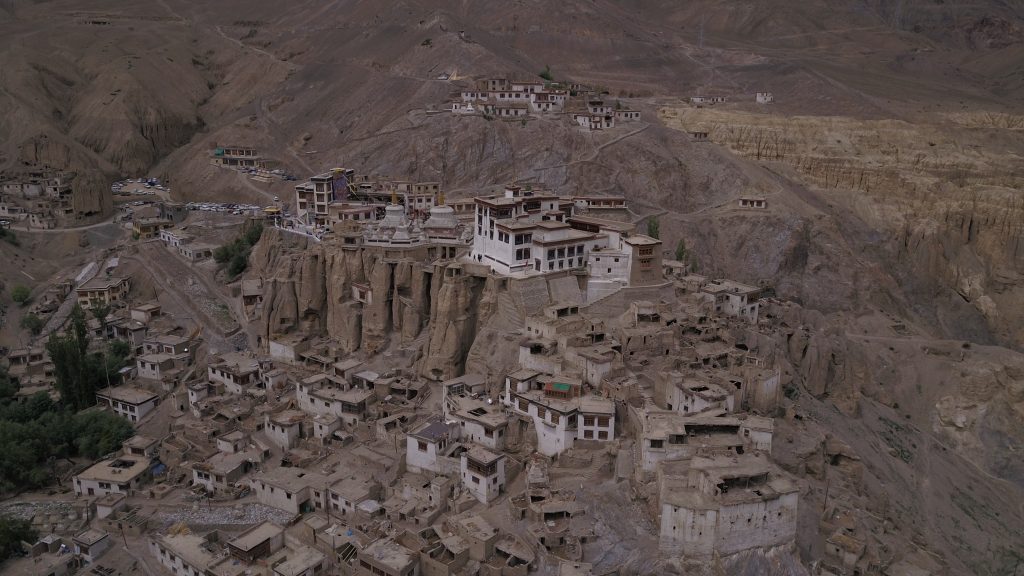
(308,288)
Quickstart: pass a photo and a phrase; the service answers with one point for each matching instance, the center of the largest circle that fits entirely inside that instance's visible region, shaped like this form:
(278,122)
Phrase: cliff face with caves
(308,288)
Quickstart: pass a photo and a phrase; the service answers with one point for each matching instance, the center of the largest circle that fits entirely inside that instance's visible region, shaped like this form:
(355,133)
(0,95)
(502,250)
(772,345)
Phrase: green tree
(100,312)
(21,294)
(653,228)
(239,262)
(32,323)
(97,433)
(14,531)
(681,250)
(121,350)
(252,232)
(9,236)
(546,74)
(78,374)
(8,385)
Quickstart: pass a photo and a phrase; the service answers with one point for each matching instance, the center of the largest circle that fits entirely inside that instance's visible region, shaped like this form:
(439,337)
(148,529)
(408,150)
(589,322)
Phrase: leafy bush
(21,294)
(546,74)
(9,236)
(235,254)
(13,531)
(32,323)
(35,431)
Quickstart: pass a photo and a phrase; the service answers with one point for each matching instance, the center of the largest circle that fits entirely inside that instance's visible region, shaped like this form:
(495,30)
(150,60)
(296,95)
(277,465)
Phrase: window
(657,443)
(475,479)
(551,254)
(602,435)
(523,254)
(555,417)
(421,445)
(588,420)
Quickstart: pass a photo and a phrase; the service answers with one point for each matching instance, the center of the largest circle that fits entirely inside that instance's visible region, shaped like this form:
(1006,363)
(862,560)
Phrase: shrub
(546,74)
(235,254)
(14,531)
(32,323)
(9,236)
(21,294)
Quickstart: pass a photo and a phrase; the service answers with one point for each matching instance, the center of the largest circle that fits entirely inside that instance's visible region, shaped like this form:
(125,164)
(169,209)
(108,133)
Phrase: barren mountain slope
(890,278)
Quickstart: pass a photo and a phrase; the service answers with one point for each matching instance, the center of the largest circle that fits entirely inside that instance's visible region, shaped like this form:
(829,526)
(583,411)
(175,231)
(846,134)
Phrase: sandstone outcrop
(309,288)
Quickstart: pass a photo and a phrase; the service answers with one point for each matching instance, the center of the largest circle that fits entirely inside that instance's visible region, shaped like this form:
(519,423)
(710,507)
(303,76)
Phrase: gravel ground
(240,514)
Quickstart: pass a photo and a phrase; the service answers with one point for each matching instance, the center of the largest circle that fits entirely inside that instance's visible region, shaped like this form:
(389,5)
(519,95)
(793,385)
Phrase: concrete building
(560,412)
(718,506)
(592,121)
(313,198)
(764,97)
(757,202)
(523,231)
(347,494)
(300,561)
(102,291)
(667,436)
(385,557)
(129,402)
(291,489)
(121,475)
(483,473)
(479,420)
(223,471)
(733,299)
(697,392)
(285,428)
(237,372)
(145,228)
(139,445)
(426,446)
(154,366)
(328,395)
(232,156)
(257,542)
(192,555)
(91,544)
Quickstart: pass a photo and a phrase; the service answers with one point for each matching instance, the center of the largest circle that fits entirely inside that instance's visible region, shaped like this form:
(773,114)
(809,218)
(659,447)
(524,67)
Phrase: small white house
(128,402)
(765,98)
(483,473)
(91,544)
